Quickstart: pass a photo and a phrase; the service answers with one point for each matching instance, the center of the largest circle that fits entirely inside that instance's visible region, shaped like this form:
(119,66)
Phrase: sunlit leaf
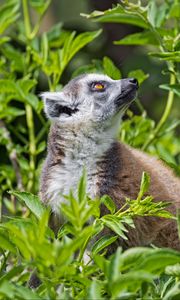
(171,87)
(140,38)
(139,75)
(110,69)
(102,243)
(145,182)
(31,201)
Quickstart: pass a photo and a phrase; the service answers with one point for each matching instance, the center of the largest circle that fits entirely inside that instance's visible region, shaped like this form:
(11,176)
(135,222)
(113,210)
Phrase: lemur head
(90,100)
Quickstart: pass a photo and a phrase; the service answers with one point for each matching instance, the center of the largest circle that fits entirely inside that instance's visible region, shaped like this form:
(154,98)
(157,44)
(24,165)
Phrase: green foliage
(160,30)
(29,244)
(106,66)
(21,69)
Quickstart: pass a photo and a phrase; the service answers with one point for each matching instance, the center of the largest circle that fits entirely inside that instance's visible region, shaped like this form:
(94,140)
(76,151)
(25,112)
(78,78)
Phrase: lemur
(85,117)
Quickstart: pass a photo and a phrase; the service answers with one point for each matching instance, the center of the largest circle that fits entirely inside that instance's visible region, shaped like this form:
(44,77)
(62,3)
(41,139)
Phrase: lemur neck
(69,151)
(72,150)
(77,144)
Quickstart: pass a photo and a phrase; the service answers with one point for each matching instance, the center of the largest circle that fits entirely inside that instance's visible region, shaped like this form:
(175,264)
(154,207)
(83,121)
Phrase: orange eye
(99,86)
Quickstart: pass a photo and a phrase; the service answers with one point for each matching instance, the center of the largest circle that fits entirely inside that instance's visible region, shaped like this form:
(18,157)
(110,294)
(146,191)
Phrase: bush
(74,264)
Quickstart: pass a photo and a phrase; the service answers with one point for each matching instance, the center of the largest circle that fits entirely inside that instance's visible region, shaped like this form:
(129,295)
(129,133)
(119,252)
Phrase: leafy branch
(61,258)
(156,33)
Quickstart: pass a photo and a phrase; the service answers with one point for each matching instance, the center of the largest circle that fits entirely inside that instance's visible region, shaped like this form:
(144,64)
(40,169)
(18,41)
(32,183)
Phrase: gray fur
(83,134)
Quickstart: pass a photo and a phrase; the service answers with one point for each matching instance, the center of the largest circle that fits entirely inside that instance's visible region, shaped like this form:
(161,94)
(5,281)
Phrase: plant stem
(42,132)
(26,18)
(17,134)
(165,114)
(28,108)
(0,206)
(32,145)
(12,154)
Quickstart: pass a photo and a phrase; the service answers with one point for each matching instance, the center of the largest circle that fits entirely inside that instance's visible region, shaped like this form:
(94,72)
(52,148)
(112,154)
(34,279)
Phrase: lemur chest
(65,176)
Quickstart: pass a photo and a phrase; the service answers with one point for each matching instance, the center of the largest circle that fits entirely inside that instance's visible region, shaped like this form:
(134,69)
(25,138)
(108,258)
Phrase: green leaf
(113,267)
(139,75)
(102,263)
(33,101)
(20,89)
(32,202)
(16,58)
(152,12)
(44,47)
(67,211)
(171,87)
(133,257)
(26,84)
(161,14)
(135,130)
(140,38)
(94,291)
(95,67)
(82,187)
(173,270)
(114,224)
(175,10)
(41,147)
(145,182)
(157,13)
(4,39)
(6,244)
(173,293)
(81,40)
(25,293)
(178,221)
(11,112)
(40,5)
(54,32)
(102,243)
(7,86)
(130,281)
(110,69)
(109,203)
(67,250)
(8,14)
(17,270)
(95,13)
(7,290)
(156,261)
(119,15)
(173,56)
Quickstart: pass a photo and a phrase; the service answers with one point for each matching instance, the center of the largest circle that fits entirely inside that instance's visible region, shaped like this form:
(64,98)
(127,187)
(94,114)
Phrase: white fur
(95,124)
(81,152)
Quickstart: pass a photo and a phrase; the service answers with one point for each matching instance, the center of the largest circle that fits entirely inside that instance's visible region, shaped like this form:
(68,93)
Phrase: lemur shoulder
(85,118)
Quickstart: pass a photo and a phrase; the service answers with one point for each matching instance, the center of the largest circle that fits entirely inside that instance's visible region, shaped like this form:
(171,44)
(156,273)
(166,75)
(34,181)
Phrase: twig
(32,146)
(164,116)
(12,154)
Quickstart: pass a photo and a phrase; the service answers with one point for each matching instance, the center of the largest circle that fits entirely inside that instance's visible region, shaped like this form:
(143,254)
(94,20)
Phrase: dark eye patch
(55,109)
(66,110)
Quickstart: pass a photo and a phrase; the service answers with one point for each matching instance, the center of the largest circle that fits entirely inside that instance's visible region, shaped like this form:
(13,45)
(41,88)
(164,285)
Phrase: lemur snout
(129,84)
(129,87)
(134,81)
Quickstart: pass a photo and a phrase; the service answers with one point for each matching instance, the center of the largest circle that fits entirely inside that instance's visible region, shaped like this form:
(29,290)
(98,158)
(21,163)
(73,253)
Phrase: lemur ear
(53,102)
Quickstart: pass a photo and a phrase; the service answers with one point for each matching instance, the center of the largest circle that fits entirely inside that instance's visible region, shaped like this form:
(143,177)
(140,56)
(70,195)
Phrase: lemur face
(90,99)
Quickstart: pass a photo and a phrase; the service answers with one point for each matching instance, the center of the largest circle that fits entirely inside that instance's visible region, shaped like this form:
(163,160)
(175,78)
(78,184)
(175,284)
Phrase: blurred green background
(125,57)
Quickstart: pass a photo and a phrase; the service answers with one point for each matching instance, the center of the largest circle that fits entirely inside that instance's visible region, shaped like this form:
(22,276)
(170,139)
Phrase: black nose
(134,82)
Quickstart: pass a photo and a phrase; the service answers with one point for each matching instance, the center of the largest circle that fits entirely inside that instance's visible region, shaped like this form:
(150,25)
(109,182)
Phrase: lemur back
(85,118)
